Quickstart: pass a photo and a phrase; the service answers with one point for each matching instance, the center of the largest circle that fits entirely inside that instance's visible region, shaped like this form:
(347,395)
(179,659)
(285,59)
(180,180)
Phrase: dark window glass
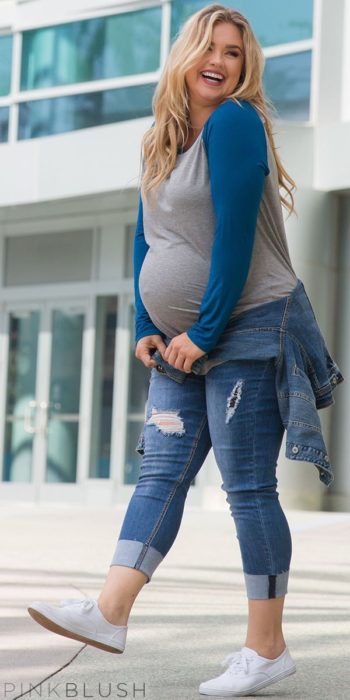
(4,124)
(273,21)
(287,82)
(101,432)
(5,64)
(94,49)
(60,114)
(64,256)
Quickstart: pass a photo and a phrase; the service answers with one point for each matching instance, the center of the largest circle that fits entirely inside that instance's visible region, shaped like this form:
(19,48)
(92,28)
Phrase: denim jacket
(306,374)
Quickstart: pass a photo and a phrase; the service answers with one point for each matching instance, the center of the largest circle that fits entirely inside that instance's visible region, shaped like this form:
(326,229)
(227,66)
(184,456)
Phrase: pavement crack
(33,687)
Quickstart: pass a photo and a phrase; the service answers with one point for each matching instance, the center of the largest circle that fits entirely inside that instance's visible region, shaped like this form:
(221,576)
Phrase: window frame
(18,96)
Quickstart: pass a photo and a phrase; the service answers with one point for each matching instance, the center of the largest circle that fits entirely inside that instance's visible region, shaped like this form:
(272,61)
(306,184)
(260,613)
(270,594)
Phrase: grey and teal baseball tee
(214,245)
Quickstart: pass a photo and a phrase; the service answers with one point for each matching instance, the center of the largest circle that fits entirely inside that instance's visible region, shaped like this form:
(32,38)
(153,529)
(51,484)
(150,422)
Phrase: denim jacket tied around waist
(306,375)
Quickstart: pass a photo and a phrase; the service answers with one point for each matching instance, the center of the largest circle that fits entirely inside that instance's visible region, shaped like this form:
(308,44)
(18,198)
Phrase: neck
(198,117)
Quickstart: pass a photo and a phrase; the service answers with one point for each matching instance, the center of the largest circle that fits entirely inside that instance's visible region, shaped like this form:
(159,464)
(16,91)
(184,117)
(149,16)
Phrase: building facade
(76,85)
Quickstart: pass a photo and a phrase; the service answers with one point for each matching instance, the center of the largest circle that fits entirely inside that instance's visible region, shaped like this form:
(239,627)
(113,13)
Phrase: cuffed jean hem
(137,555)
(266,586)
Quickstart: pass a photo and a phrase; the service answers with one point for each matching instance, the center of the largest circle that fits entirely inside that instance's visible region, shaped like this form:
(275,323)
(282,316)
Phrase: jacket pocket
(301,386)
(297,401)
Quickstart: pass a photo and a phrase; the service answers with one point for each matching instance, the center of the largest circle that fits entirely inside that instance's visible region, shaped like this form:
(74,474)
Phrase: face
(225,57)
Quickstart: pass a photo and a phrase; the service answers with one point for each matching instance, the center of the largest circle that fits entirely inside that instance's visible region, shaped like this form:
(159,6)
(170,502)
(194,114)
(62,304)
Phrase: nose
(215,61)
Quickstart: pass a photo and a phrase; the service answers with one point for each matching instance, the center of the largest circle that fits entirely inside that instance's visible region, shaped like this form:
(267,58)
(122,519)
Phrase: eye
(234,53)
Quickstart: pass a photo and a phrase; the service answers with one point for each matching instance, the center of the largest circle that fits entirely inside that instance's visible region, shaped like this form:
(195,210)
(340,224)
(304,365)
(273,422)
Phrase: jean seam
(282,330)
(267,545)
(147,544)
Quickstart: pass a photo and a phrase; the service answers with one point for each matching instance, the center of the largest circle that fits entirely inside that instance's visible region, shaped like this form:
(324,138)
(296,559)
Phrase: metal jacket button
(295,449)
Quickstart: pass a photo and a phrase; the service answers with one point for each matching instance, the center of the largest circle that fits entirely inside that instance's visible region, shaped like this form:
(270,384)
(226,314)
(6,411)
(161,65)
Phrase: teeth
(212,75)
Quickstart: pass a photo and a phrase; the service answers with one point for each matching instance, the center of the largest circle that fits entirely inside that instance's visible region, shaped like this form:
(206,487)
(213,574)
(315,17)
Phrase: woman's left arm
(236,148)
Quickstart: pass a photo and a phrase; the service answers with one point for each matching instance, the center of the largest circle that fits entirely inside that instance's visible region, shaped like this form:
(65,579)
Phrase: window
(4,124)
(287,83)
(59,114)
(5,83)
(5,64)
(64,396)
(273,22)
(94,49)
(60,257)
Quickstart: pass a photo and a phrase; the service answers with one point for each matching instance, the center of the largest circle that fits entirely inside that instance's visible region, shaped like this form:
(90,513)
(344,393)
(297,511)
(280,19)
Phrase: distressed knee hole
(233,400)
(167,422)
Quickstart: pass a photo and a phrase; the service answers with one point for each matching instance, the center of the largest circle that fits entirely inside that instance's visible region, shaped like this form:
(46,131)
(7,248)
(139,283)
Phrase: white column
(338,497)
(330,34)
(312,239)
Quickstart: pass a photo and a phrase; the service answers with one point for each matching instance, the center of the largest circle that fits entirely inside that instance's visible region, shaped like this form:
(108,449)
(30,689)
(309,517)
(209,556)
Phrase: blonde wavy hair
(170,101)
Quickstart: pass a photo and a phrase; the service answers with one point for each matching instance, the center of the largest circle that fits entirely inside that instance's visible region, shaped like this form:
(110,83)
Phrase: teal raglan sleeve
(236,149)
(143,324)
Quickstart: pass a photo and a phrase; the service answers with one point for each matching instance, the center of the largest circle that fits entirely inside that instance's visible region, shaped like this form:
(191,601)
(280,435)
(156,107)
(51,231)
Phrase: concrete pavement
(191,615)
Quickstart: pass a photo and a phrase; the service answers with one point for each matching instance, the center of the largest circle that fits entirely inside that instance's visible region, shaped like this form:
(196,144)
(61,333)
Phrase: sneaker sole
(54,627)
(230,694)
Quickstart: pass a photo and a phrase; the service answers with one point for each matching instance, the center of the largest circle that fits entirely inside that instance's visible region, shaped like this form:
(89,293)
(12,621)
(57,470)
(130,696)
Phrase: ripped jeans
(234,409)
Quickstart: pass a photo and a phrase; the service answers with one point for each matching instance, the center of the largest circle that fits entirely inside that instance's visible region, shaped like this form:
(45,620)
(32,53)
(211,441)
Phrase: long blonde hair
(170,101)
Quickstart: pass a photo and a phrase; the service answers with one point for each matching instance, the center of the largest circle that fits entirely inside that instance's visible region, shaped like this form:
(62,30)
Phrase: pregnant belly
(171,286)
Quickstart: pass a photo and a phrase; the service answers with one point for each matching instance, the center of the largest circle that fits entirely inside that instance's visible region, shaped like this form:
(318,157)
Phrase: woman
(222,321)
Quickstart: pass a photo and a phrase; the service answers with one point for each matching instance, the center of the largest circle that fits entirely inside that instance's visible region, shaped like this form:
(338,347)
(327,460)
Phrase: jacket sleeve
(143,324)
(235,144)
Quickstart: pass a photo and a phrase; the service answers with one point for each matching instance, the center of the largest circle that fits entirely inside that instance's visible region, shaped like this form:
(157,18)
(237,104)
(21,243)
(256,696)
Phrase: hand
(144,347)
(182,352)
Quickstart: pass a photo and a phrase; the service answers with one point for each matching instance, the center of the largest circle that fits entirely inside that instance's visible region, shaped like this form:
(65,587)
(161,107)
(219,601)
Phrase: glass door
(21,404)
(45,371)
(61,409)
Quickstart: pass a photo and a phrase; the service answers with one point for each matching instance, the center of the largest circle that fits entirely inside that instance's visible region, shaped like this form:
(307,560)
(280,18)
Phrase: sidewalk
(184,622)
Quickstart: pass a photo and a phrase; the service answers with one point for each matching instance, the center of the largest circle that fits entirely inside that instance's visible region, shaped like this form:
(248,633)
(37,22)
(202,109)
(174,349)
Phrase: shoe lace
(85,603)
(236,662)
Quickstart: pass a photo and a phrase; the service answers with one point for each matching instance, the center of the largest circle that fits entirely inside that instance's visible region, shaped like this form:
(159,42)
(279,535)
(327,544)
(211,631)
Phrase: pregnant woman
(229,334)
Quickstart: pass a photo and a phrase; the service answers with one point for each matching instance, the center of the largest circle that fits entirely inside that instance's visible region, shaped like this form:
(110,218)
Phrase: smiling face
(225,59)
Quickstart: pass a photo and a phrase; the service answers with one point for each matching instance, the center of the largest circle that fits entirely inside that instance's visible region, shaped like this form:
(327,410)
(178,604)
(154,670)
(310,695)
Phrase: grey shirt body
(179,230)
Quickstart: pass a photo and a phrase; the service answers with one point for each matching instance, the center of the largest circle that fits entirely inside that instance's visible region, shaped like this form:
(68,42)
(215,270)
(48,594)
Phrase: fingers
(146,347)
(179,360)
(161,346)
(171,353)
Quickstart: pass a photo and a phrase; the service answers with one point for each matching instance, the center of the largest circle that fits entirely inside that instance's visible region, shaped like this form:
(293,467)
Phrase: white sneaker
(248,672)
(81,620)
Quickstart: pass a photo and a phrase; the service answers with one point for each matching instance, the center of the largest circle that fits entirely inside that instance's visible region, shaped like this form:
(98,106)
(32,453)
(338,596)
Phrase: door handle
(28,425)
(45,407)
